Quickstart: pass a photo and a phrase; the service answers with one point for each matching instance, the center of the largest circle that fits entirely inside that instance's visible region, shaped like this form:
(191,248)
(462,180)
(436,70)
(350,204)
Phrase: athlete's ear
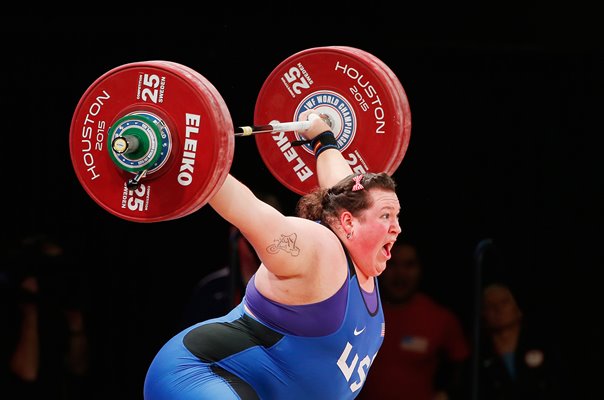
(346,221)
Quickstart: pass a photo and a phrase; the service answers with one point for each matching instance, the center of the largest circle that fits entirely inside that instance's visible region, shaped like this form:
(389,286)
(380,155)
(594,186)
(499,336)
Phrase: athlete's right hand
(317,127)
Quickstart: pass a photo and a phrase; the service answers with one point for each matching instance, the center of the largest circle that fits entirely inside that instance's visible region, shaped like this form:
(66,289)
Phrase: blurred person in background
(517,359)
(45,348)
(425,351)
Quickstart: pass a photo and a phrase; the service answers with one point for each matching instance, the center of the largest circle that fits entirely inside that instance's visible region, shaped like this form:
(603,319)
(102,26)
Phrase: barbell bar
(153,141)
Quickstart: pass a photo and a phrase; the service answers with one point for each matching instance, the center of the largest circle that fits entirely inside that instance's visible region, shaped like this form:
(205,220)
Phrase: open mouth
(386,250)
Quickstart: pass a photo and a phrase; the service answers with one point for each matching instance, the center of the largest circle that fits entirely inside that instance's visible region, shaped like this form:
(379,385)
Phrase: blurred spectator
(221,290)
(44,347)
(425,351)
(517,360)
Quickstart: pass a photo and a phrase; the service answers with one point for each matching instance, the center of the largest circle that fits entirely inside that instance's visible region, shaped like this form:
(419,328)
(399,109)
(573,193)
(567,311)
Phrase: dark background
(506,110)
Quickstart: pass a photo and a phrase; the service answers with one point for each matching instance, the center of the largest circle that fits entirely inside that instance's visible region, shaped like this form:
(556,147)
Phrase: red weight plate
(361,95)
(200,134)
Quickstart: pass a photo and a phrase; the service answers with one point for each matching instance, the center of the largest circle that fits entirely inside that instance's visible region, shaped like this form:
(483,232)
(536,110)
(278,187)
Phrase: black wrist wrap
(324,141)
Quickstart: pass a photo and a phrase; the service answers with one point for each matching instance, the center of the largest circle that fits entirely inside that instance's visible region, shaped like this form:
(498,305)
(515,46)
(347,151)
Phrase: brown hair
(324,204)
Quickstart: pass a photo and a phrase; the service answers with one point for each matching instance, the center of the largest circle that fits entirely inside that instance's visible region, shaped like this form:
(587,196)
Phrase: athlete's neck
(366,282)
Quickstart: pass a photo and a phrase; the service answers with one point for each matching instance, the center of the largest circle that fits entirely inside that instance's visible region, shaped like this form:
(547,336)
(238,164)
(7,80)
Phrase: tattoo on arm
(286,243)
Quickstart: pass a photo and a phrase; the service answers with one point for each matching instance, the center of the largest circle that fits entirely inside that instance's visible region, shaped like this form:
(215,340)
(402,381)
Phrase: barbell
(154,140)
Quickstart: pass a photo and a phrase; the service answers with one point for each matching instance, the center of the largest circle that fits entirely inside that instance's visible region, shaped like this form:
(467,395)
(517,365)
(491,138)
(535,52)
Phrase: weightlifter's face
(375,231)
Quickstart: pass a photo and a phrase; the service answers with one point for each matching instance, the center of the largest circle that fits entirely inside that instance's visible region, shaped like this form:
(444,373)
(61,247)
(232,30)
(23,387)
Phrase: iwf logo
(339,112)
